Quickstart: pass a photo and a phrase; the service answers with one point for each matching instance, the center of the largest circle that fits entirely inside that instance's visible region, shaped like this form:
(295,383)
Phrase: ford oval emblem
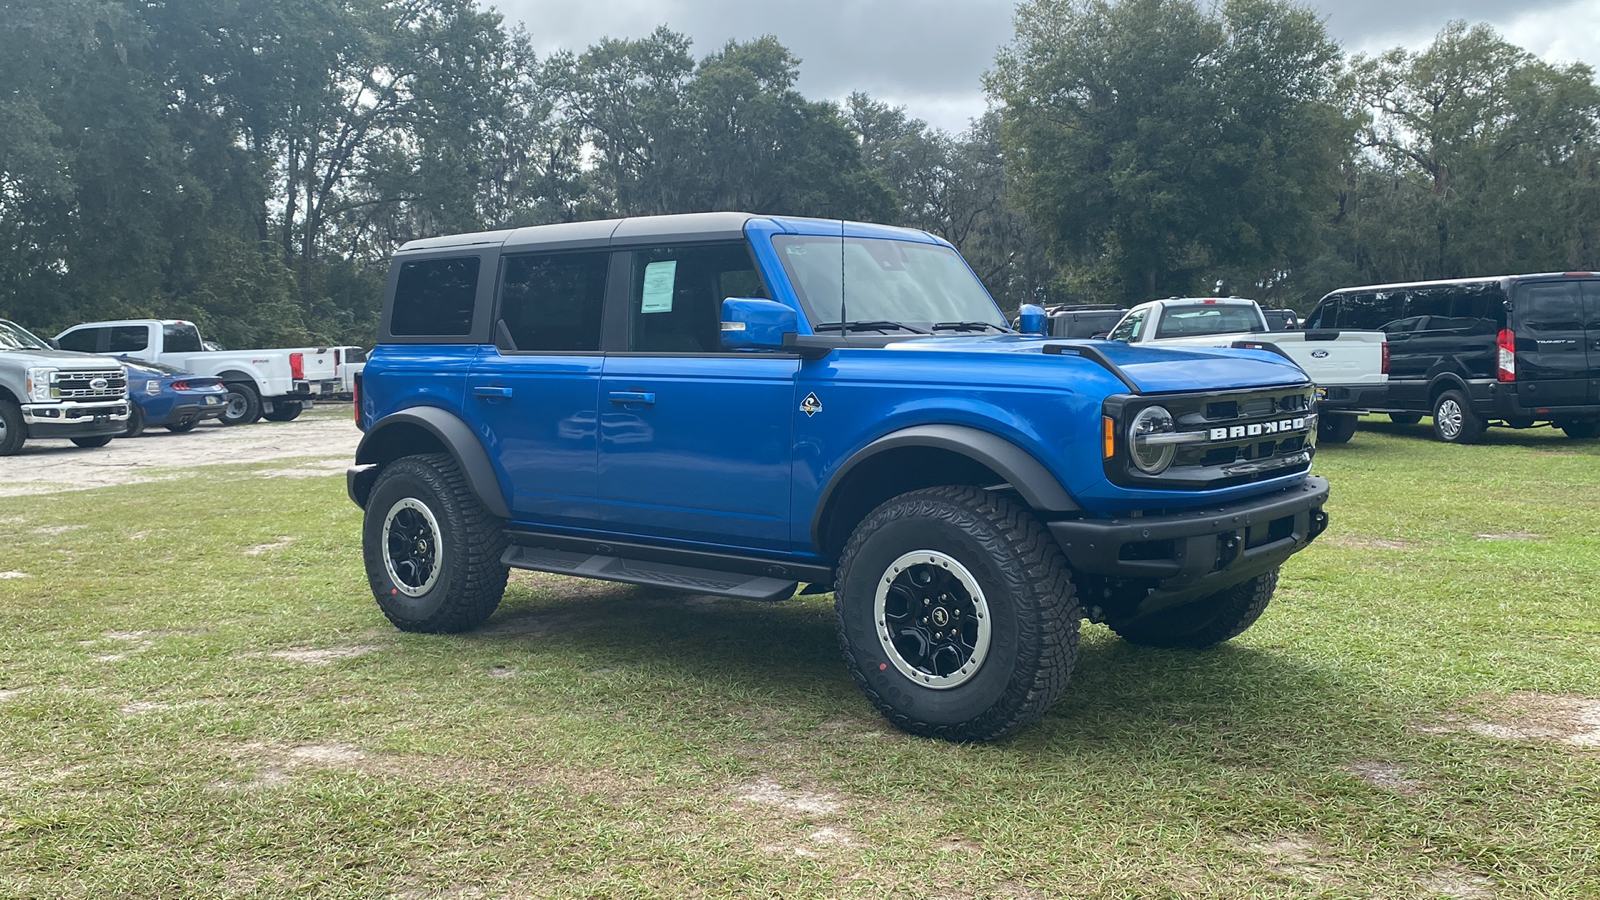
(1319,354)
(99,384)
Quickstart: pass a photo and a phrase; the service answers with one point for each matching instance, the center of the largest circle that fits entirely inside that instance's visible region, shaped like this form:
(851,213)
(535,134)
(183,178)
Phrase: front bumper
(70,419)
(1183,556)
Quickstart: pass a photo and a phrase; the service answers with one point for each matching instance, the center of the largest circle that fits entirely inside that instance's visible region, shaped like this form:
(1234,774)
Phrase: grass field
(199,698)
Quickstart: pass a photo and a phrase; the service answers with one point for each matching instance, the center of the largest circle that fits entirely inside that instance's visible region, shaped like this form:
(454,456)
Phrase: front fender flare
(1027,476)
(458,440)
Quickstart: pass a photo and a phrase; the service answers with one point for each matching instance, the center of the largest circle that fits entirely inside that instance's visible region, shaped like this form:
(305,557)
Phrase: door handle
(491,392)
(622,398)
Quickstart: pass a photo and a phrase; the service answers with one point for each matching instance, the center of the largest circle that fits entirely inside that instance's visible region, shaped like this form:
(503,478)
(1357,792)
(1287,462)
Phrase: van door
(1552,344)
(1591,330)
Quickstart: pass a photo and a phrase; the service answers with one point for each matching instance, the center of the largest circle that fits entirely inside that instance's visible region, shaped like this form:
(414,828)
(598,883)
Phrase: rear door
(1591,304)
(1552,342)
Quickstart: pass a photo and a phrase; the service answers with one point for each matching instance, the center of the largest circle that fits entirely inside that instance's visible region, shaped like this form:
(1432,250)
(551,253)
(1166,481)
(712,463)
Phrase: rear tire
(432,552)
(244,404)
(13,431)
(284,411)
(1206,622)
(183,427)
(1336,428)
(1580,431)
(1454,422)
(1405,418)
(1000,635)
(90,442)
(135,420)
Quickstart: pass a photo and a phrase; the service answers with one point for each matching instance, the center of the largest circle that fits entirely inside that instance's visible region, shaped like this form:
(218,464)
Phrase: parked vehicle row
(50,393)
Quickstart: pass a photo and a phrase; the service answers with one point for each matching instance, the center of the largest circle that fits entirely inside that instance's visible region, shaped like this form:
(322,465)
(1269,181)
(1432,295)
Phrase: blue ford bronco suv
(733,404)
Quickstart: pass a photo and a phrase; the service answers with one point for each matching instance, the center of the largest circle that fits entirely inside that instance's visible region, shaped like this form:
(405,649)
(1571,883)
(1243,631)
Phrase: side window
(1431,307)
(1371,311)
(129,338)
(435,297)
(1551,306)
(84,340)
(180,337)
(1324,315)
(1130,327)
(553,302)
(676,302)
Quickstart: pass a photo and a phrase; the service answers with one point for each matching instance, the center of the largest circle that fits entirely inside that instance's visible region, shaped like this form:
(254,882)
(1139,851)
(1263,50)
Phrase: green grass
(602,740)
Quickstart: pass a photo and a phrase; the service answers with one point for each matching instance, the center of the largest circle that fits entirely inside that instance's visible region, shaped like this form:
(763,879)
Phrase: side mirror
(54,344)
(1031,319)
(750,323)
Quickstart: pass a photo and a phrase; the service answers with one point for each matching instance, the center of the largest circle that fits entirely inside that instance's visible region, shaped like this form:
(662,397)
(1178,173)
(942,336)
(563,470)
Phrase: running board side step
(650,574)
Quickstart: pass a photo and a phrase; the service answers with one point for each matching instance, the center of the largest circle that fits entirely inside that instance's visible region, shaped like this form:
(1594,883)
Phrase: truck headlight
(1152,457)
(41,384)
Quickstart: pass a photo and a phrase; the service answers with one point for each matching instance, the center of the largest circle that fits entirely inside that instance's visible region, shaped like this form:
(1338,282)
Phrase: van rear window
(435,297)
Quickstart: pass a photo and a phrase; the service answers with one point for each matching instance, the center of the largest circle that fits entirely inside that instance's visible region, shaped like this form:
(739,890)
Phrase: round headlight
(1151,458)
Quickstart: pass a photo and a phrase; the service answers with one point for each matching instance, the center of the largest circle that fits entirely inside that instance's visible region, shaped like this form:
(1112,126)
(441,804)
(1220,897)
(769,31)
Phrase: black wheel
(184,426)
(956,613)
(432,551)
(1454,422)
(1405,418)
(135,420)
(1206,622)
(99,441)
(1336,428)
(13,431)
(284,411)
(1580,431)
(244,404)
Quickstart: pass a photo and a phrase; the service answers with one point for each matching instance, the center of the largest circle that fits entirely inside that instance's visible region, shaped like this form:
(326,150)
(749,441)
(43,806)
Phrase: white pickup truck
(275,384)
(1349,368)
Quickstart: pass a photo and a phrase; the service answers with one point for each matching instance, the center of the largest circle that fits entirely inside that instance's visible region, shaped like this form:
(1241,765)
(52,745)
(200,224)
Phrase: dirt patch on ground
(1510,536)
(1384,775)
(765,792)
(7,575)
(48,467)
(282,542)
(319,656)
(1531,716)
(6,696)
(1367,542)
(1459,884)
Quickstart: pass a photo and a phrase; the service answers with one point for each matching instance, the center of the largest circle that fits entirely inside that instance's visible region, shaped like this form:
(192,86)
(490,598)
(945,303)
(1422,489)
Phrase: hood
(66,360)
(1155,370)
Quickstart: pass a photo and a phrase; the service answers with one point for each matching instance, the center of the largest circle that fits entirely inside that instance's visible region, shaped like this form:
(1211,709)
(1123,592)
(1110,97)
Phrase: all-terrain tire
(135,420)
(1405,418)
(1336,428)
(1454,422)
(1206,622)
(958,535)
(284,411)
(427,504)
(13,431)
(1580,431)
(244,404)
(97,441)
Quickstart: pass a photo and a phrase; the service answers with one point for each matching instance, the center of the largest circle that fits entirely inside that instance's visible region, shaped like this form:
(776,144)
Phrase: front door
(695,444)
(532,396)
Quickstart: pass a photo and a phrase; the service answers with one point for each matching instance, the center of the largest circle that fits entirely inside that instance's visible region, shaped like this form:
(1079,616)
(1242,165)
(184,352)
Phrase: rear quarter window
(435,297)
(84,340)
(181,337)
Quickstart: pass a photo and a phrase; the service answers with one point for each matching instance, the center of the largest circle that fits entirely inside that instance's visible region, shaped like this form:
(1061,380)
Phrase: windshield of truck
(885,281)
(180,337)
(1201,320)
(15,337)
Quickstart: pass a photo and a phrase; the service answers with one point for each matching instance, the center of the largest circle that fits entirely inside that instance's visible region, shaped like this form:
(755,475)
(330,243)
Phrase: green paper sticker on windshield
(659,278)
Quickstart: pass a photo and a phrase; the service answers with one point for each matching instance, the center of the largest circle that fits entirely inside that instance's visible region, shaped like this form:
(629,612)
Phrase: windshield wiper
(969,326)
(871,325)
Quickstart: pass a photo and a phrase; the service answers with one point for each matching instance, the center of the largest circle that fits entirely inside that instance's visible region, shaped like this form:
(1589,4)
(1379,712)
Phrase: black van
(1514,349)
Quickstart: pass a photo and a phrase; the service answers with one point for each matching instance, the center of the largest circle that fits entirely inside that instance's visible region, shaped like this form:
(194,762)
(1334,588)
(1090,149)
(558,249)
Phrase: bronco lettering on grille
(1258,429)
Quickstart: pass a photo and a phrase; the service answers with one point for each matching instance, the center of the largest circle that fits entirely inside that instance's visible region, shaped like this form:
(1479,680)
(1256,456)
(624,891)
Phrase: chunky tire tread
(1206,622)
(1336,428)
(475,542)
(1039,582)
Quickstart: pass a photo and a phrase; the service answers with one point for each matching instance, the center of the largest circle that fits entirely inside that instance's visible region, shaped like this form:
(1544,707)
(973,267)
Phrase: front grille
(80,385)
(1240,437)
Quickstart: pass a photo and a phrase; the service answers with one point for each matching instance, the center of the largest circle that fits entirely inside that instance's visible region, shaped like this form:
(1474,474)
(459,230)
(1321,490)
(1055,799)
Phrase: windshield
(15,337)
(884,281)
(1209,319)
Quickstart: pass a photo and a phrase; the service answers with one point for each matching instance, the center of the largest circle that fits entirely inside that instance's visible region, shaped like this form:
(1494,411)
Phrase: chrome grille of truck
(81,385)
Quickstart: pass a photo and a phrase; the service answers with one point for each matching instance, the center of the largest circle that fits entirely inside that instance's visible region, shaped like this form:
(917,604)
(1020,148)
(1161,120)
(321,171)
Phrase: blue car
(163,395)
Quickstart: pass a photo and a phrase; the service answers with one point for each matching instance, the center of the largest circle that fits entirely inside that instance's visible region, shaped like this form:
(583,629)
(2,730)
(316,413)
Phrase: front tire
(1336,428)
(90,442)
(1454,422)
(999,636)
(183,427)
(1580,431)
(13,431)
(432,552)
(244,404)
(1206,622)
(135,420)
(284,411)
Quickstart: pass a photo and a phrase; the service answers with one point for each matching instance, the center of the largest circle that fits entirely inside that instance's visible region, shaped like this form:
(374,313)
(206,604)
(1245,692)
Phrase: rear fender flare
(377,449)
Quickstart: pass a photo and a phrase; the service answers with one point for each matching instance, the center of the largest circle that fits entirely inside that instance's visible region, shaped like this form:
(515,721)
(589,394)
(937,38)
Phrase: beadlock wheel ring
(413,549)
(932,619)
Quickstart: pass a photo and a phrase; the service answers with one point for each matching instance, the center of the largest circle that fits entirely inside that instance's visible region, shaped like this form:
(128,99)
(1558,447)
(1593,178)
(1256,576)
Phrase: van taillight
(1385,367)
(1507,363)
(297,366)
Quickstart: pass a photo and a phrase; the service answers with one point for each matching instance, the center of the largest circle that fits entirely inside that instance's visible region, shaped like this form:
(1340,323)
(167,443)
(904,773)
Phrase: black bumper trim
(1192,554)
(1360,398)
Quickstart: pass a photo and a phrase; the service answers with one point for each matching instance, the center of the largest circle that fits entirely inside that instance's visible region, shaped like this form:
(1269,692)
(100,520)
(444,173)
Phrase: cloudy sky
(928,55)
